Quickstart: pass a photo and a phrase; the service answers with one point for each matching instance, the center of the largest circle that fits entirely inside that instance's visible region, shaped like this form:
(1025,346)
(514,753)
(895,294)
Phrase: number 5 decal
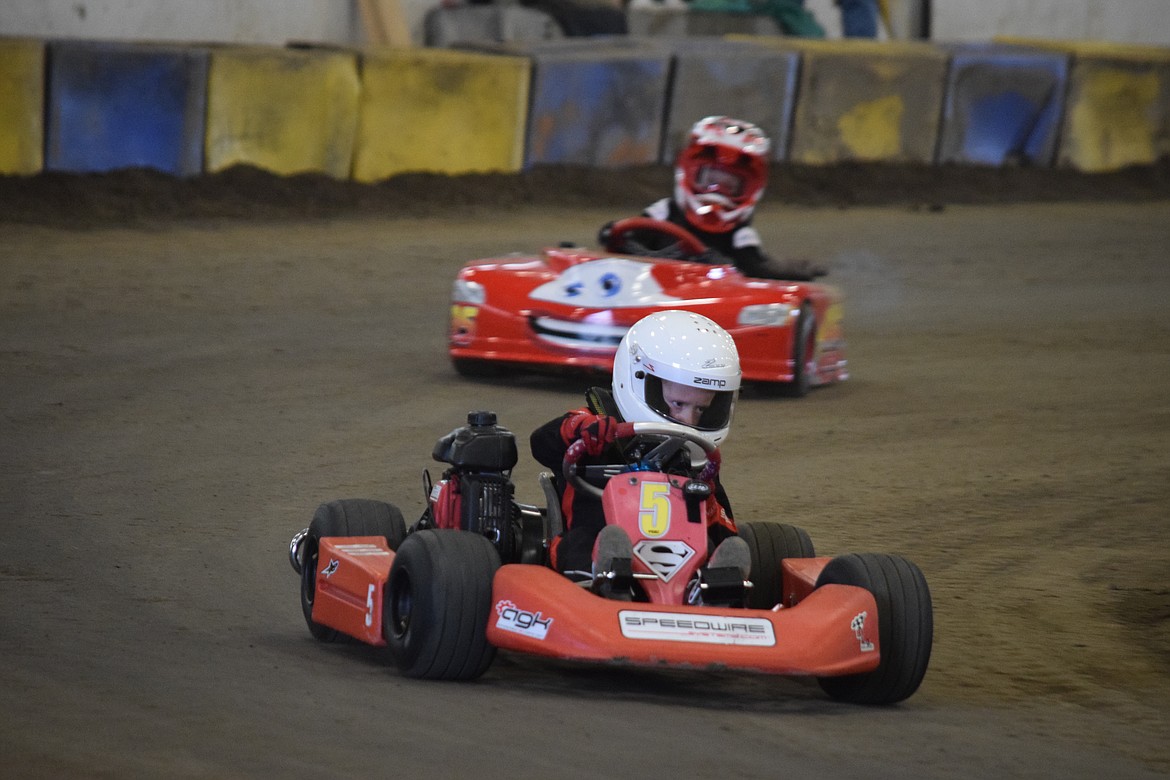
(654,512)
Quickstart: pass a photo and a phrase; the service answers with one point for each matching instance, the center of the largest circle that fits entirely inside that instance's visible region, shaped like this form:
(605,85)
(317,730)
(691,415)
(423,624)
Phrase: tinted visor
(719,180)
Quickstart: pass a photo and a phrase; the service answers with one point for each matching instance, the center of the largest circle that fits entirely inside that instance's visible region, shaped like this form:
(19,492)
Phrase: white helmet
(681,347)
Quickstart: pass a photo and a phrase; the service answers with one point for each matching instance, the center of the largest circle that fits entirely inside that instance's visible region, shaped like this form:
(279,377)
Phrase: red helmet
(721,174)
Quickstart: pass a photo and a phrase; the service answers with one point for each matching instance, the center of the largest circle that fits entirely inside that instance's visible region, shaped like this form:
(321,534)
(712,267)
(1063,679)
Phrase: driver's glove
(597,431)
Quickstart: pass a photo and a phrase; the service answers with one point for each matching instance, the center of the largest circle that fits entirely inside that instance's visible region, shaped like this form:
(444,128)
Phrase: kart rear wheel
(344,517)
(905,627)
(769,544)
(437,603)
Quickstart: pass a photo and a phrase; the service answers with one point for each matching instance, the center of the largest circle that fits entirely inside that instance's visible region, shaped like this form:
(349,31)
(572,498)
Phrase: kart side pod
(351,578)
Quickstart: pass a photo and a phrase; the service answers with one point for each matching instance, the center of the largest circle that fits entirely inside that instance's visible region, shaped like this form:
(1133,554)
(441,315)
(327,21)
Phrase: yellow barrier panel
(284,110)
(22,107)
(1118,105)
(441,111)
(865,100)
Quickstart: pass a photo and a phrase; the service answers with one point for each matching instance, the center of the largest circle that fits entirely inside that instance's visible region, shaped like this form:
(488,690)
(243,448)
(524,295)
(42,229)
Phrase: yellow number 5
(654,514)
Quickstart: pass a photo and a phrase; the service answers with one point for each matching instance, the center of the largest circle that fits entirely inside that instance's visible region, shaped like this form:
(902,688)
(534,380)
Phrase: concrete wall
(1120,21)
(339,21)
(273,22)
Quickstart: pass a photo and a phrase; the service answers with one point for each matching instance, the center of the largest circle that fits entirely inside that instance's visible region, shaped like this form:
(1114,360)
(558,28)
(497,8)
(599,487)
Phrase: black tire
(769,544)
(437,603)
(905,627)
(478,369)
(804,341)
(345,517)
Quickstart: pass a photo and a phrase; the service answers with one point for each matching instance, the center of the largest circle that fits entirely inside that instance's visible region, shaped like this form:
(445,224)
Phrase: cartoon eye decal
(611,285)
(572,290)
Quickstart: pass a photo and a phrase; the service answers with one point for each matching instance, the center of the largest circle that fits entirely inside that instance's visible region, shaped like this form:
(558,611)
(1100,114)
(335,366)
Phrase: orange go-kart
(471,576)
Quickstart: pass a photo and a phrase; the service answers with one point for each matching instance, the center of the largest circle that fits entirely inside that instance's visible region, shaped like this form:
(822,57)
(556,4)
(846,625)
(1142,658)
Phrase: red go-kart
(567,308)
(471,576)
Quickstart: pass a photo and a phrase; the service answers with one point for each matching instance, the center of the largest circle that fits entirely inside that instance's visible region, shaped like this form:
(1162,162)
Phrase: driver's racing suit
(572,550)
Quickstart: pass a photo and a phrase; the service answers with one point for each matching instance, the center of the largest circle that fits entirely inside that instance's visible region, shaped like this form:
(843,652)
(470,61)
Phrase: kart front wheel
(437,603)
(905,627)
(804,348)
(770,543)
(345,517)
(473,368)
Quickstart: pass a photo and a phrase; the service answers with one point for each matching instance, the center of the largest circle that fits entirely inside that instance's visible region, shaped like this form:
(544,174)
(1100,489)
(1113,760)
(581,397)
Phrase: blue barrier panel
(733,78)
(113,105)
(1003,104)
(1117,108)
(599,103)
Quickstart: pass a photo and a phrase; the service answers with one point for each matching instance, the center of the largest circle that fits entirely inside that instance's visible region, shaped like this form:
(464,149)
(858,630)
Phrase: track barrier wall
(441,111)
(1003,105)
(1117,108)
(865,101)
(22,108)
(597,102)
(611,102)
(114,106)
(285,110)
(716,76)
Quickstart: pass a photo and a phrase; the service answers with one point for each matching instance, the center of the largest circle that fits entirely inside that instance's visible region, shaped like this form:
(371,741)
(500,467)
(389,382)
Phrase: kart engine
(475,494)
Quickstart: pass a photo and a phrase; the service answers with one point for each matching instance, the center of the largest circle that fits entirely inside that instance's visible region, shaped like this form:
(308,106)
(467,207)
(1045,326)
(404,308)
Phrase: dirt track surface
(178,396)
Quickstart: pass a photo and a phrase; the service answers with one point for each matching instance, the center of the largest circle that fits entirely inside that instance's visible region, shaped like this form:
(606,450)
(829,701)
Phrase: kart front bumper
(833,631)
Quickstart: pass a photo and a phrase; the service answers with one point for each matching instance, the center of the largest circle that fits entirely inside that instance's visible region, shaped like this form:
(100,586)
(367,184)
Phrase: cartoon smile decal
(609,283)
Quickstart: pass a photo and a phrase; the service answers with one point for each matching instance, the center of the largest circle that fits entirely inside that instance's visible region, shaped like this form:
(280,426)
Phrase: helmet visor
(718,180)
(715,413)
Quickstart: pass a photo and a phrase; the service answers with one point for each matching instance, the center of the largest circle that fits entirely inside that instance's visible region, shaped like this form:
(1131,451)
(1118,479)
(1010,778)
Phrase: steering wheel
(681,244)
(676,438)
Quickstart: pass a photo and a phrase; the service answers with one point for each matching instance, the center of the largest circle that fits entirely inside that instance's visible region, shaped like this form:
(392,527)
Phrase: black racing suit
(740,246)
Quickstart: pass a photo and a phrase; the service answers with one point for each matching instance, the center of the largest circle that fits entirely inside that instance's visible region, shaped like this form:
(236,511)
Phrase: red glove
(597,431)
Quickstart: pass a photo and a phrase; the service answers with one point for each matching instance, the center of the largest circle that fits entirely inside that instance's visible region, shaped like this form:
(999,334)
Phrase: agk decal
(521,621)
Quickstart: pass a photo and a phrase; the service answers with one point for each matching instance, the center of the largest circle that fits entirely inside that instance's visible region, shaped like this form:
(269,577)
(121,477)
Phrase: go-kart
(471,576)
(568,307)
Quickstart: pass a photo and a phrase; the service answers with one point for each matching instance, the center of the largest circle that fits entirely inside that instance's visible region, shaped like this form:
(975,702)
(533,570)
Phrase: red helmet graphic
(720,176)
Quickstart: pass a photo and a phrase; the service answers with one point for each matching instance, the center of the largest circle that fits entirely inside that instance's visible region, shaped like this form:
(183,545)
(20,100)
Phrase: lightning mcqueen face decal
(569,306)
(609,283)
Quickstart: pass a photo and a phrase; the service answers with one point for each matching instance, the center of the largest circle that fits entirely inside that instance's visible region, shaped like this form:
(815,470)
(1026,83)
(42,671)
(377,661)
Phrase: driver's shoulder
(745,236)
(659,209)
(600,400)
